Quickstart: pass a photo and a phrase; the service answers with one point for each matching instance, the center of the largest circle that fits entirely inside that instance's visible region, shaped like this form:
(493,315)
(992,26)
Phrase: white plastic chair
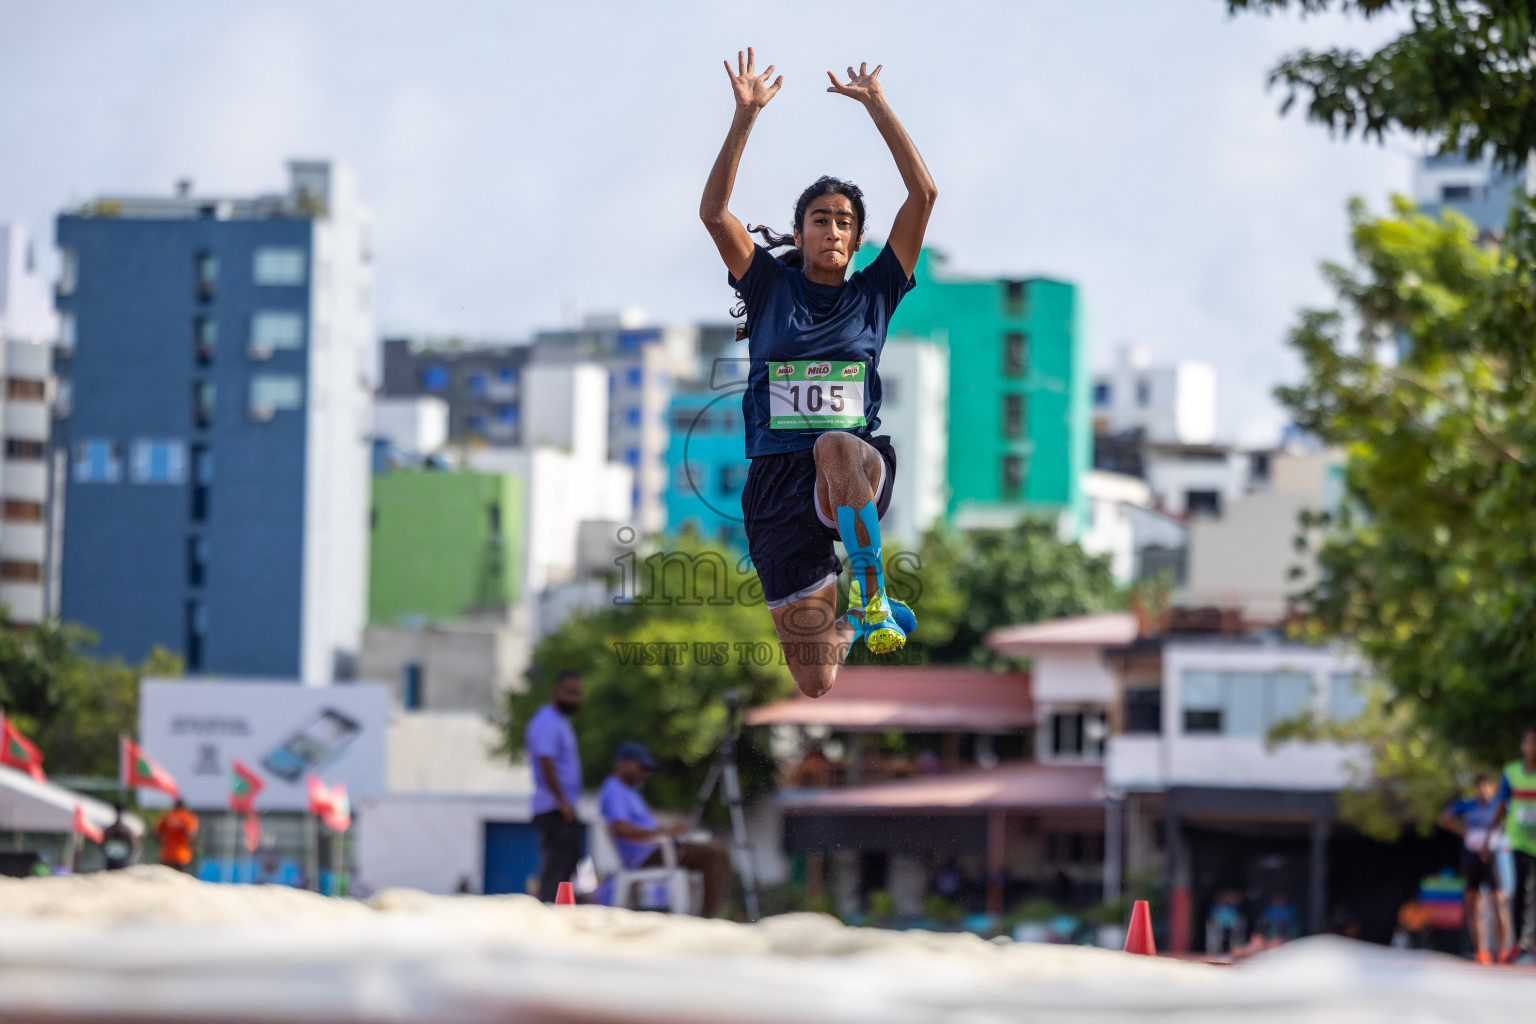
(676,880)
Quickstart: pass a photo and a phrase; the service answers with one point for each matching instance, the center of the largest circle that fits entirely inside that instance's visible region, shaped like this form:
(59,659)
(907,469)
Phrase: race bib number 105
(815,395)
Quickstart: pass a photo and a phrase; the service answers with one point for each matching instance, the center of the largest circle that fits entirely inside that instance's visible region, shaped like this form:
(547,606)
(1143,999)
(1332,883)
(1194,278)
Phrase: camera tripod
(723,769)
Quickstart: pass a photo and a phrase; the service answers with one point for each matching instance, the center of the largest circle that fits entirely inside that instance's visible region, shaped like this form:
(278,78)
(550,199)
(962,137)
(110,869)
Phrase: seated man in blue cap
(635,832)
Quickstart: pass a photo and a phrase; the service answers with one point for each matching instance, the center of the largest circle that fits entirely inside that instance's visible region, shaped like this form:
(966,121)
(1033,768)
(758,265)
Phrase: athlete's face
(1528,746)
(829,234)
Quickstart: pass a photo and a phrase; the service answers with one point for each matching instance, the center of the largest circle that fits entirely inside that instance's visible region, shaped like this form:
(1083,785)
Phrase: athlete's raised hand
(863,86)
(752,89)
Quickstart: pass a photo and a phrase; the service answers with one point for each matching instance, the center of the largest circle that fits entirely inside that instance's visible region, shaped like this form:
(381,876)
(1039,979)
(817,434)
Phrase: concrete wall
(417,424)
(1173,404)
(1244,559)
(27,515)
(464,666)
(427,841)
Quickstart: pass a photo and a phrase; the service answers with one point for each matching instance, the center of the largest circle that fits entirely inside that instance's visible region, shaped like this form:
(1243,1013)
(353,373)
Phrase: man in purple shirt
(551,744)
(635,833)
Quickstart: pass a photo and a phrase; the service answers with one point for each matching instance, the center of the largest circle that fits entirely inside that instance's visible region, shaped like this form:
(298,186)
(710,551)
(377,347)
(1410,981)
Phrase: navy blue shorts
(790,544)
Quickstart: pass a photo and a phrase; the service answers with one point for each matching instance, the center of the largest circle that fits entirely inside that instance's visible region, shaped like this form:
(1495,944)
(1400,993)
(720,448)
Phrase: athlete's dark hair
(826,185)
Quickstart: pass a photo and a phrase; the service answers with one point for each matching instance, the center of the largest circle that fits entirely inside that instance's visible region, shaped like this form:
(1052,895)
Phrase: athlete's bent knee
(815,680)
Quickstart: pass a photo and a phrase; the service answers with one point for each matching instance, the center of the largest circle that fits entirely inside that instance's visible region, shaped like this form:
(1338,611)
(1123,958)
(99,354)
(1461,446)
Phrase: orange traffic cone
(565,896)
(1138,937)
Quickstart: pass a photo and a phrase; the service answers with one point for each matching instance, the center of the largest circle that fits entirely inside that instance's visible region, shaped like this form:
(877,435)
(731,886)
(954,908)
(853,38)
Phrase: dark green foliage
(970,584)
(71,705)
(1462,74)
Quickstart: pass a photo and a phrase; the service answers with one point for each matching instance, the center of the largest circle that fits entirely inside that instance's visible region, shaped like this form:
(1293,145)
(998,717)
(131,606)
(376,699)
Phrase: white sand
(150,944)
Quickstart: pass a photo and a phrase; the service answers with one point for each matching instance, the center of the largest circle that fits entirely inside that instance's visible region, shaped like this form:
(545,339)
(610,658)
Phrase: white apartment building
(28,328)
(914,411)
(1172,404)
(643,360)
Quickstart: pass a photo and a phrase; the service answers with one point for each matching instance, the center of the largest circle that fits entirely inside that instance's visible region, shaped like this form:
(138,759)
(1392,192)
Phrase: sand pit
(152,945)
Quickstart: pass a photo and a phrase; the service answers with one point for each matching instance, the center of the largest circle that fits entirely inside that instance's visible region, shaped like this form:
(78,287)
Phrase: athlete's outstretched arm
(906,239)
(752,94)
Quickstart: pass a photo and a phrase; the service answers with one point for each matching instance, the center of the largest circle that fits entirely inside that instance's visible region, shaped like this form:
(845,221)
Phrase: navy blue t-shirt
(790,318)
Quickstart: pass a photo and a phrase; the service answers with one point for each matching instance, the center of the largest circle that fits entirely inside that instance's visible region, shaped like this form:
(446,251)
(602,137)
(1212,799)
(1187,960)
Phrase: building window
(1101,395)
(275,329)
(508,375)
(279,266)
(159,462)
(197,561)
(21,572)
(633,377)
(1015,354)
(69,272)
(1202,503)
(1242,703)
(1077,734)
(27,451)
(197,634)
(632,417)
(1457,193)
(207,274)
(682,420)
(98,462)
(205,339)
(272,393)
(732,479)
(1013,298)
(66,332)
(1013,475)
(410,686)
(203,394)
(476,423)
(1347,697)
(435,377)
(1013,416)
(202,480)
(688,478)
(23,511)
(477,384)
(634,497)
(506,414)
(1144,710)
(632,457)
(25,389)
(1143,392)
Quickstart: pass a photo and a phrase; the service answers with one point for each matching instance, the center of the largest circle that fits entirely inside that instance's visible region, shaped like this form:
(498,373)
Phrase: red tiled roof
(915,698)
(1026,786)
(1111,629)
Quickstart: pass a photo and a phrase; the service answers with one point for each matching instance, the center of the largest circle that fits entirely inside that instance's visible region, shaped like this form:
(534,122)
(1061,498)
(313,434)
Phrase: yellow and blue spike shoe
(882,633)
(898,610)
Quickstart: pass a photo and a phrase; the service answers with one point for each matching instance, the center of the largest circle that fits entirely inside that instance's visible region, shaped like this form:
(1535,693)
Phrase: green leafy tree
(1462,72)
(73,706)
(974,582)
(656,671)
(1426,376)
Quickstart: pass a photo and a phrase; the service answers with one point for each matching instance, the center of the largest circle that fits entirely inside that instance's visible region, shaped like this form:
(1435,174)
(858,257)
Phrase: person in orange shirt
(176,830)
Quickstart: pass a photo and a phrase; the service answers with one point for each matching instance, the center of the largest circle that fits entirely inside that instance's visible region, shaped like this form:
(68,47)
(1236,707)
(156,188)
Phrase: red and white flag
(330,803)
(17,751)
(140,770)
(250,827)
(84,827)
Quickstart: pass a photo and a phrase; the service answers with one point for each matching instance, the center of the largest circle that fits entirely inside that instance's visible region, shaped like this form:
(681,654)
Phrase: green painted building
(443,543)
(1020,436)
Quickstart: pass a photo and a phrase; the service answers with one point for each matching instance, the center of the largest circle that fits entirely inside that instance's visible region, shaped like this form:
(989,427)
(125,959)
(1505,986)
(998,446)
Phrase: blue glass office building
(214,438)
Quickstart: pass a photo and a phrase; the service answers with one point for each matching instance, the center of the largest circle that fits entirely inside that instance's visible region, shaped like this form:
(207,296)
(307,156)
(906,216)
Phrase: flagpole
(313,849)
(234,828)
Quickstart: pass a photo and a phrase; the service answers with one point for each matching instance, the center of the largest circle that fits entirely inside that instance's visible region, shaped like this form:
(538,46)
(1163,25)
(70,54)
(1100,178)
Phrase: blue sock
(862,557)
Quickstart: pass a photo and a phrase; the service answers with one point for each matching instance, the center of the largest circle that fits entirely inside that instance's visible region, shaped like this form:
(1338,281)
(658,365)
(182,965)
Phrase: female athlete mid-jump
(813,393)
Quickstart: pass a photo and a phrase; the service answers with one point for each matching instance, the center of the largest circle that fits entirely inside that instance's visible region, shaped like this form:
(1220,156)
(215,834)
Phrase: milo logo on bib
(816,395)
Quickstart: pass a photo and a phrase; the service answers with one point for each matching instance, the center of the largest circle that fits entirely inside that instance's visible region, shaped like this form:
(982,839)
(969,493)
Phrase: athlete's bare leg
(847,473)
(815,640)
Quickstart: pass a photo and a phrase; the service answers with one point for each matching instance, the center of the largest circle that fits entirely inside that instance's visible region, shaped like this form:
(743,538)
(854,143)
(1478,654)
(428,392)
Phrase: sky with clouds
(527,160)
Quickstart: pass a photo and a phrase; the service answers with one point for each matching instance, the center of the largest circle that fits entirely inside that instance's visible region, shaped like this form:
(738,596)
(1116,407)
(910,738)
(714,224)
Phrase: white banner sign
(280,730)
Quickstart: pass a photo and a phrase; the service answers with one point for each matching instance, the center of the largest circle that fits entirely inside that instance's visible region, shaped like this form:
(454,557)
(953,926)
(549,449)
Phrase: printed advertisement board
(280,730)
